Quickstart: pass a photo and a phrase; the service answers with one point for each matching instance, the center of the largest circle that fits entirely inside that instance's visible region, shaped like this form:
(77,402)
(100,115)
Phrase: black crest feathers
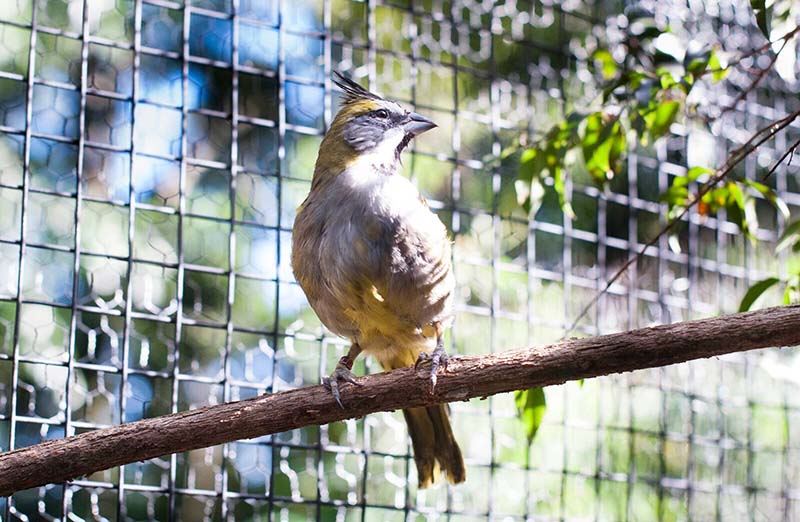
(353,92)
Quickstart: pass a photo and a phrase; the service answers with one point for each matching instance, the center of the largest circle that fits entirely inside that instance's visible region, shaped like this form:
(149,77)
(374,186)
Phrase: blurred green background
(152,156)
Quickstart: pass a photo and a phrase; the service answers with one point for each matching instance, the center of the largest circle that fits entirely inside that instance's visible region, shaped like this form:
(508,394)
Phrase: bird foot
(340,374)
(438,358)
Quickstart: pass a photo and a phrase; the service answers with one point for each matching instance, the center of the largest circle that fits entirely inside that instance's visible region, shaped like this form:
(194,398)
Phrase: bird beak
(416,124)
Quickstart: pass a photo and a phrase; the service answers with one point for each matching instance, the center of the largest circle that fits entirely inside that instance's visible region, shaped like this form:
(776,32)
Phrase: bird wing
(417,273)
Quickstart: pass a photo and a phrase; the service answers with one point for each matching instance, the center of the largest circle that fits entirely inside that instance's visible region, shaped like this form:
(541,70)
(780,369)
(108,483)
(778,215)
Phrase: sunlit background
(152,156)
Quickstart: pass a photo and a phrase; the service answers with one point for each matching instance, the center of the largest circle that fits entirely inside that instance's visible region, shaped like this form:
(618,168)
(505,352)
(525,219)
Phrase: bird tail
(435,446)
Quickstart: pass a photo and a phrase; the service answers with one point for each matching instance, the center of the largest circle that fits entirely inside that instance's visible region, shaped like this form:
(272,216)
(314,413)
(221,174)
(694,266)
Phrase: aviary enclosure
(152,156)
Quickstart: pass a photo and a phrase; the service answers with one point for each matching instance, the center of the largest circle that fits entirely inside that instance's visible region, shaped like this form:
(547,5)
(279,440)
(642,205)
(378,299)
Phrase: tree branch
(59,460)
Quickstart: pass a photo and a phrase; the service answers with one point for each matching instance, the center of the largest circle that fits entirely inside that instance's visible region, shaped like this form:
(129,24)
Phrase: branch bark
(60,460)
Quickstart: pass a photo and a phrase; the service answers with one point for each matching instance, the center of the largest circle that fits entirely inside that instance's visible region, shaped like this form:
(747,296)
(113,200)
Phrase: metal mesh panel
(152,155)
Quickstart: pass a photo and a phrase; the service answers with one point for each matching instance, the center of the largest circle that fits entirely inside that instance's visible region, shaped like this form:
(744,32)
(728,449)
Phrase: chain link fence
(152,156)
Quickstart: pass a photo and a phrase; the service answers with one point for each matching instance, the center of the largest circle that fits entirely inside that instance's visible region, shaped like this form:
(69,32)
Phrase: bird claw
(341,374)
(438,358)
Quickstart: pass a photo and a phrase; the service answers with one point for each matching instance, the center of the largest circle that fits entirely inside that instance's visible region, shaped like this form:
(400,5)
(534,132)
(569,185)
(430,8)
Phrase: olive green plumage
(374,261)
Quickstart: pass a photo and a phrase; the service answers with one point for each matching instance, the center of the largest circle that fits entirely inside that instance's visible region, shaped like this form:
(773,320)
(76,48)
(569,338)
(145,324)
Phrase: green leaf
(790,236)
(603,144)
(529,164)
(741,209)
(608,66)
(635,79)
(658,121)
(755,291)
(715,199)
(561,190)
(676,195)
(531,406)
(528,184)
(686,84)
(666,80)
(696,63)
(648,33)
(680,181)
(718,72)
(547,158)
(509,151)
(736,215)
(527,155)
(762,15)
(792,293)
(695,172)
(793,269)
(770,196)
(736,196)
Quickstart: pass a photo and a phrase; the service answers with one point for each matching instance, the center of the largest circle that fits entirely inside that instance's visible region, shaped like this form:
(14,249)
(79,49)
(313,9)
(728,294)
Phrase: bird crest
(353,92)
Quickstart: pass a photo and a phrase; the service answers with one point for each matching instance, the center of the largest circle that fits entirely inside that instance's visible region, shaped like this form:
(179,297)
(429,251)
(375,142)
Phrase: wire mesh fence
(152,155)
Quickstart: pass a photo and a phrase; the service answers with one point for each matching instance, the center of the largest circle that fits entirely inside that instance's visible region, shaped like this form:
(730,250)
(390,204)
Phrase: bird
(375,262)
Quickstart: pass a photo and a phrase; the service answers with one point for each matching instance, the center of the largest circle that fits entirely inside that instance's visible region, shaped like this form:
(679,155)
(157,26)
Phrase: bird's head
(367,127)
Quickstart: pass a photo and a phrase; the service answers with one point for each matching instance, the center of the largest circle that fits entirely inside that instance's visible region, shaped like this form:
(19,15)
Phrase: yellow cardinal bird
(374,261)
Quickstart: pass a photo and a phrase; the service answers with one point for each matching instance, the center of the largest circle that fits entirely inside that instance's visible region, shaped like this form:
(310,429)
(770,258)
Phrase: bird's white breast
(380,194)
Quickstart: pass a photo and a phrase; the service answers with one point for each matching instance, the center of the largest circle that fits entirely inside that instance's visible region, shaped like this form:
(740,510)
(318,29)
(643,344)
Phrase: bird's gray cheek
(362,137)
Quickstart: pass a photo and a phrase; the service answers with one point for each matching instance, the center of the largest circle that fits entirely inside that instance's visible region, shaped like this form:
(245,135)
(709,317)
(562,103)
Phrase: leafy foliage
(790,238)
(642,95)
(646,77)
(603,144)
(549,159)
(531,407)
(737,197)
(790,280)
(755,291)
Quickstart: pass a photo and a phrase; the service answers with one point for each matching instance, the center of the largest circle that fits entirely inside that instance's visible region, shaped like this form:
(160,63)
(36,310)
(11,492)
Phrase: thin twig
(789,152)
(759,50)
(735,158)
(759,76)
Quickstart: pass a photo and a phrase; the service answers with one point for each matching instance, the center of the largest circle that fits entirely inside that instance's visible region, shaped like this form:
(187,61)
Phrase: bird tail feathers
(435,448)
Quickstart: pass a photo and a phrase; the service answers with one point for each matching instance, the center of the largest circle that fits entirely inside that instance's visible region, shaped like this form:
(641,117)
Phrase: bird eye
(382,114)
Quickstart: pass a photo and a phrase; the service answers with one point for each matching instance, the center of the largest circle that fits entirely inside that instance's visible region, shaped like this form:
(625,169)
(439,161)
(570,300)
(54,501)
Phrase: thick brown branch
(60,460)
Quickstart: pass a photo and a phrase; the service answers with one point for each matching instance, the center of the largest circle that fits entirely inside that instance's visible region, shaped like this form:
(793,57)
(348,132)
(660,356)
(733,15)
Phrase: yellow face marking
(335,155)
(360,107)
